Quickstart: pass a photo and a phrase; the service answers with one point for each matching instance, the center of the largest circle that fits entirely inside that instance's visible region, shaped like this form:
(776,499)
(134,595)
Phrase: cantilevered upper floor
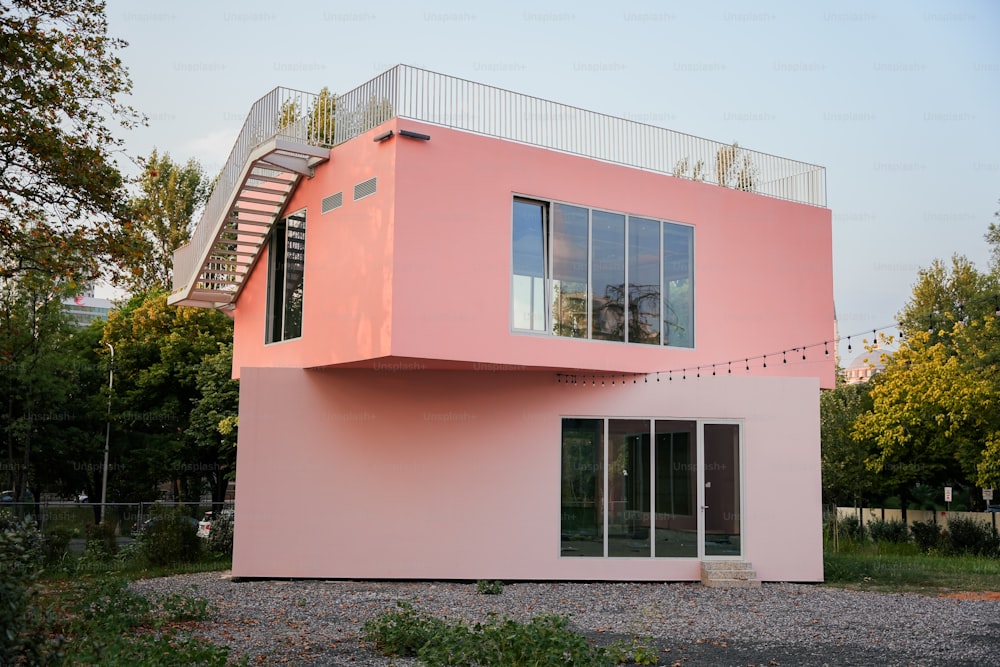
(422,221)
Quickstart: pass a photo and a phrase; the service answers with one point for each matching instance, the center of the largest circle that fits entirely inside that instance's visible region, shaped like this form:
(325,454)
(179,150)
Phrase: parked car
(205,525)
(7,496)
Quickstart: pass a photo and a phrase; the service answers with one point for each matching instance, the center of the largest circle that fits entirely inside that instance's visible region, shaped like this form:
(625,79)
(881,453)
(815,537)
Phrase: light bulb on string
(730,368)
(803,353)
(765,361)
(826,348)
(848,343)
(784,357)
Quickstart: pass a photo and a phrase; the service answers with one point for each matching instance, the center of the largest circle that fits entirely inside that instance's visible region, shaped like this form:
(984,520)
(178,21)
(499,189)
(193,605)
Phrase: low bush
(56,545)
(486,587)
(927,535)
(170,538)
(850,528)
(220,537)
(544,640)
(22,628)
(893,530)
(968,536)
(103,535)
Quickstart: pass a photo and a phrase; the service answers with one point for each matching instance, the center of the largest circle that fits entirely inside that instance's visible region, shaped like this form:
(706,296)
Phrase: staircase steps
(728,574)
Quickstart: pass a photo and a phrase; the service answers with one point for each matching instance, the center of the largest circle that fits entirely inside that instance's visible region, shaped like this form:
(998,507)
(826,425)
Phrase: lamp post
(107,432)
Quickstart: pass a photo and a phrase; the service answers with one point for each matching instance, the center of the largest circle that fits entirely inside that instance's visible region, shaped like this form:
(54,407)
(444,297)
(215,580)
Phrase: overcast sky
(900,101)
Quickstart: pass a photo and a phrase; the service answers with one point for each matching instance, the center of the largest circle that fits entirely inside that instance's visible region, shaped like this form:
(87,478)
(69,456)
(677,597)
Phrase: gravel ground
(309,622)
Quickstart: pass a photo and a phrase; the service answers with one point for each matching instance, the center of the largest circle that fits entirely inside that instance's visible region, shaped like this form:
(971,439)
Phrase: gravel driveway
(309,622)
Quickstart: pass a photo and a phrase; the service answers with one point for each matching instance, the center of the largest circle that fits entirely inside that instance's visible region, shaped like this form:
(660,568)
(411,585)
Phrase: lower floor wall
(368,474)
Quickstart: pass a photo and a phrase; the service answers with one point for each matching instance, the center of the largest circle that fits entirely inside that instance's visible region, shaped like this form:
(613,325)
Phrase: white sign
(947,494)
(987,494)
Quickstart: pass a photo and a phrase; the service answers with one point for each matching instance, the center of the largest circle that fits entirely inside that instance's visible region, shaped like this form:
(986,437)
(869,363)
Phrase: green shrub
(55,545)
(968,536)
(170,538)
(851,528)
(104,535)
(486,587)
(544,640)
(403,632)
(894,531)
(927,535)
(220,538)
(21,553)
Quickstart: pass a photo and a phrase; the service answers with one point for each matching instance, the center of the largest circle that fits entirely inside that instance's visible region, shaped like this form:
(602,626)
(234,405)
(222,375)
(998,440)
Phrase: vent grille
(364,189)
(333,202)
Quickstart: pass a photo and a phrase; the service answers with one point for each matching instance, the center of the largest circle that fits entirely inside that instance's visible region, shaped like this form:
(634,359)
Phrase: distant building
(86,308)
(865,365)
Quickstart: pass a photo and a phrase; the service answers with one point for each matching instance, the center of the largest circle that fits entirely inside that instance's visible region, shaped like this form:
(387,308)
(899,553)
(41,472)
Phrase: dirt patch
(978,595)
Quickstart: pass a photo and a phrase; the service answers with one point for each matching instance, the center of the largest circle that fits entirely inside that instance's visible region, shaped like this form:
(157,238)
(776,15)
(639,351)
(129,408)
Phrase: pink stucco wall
(456,474)
(421,270)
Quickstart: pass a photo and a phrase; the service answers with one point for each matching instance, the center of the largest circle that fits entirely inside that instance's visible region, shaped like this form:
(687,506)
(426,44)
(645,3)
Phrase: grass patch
(902,568)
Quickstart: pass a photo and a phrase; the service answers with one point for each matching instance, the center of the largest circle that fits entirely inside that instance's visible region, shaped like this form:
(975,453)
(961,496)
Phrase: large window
(586,273)
(285,278)
(629,488)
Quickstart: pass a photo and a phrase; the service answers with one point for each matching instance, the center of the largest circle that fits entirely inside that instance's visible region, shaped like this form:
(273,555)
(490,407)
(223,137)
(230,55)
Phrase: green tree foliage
(159,351)
(62,200)
(214,420)
(847,479)
(169,195)
(35,387)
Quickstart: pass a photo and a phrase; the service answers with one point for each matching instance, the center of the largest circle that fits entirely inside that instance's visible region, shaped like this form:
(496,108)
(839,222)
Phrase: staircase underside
(266,183)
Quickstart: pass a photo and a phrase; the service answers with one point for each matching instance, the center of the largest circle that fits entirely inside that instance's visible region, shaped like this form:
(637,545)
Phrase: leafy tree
(944,295)
(846,477)
(33,331)
(214,420)
(169,196)
(61,197)
(158,353)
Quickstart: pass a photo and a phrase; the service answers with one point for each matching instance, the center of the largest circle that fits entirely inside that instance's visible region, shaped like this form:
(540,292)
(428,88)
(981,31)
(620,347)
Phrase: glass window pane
(528,287)
(643,281)
(582,526)
(628,487)
(676,484)
(569,270)
(295,264)
(678,285)
(275,282)
(608,271)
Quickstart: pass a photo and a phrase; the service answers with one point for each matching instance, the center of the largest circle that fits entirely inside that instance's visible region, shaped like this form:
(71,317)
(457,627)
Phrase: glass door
(721,511)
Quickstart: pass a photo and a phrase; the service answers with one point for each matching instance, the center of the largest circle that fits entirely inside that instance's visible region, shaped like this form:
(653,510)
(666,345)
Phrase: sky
(899,101)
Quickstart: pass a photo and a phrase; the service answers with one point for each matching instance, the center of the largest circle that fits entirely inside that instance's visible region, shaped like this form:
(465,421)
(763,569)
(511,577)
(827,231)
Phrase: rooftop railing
(422,95)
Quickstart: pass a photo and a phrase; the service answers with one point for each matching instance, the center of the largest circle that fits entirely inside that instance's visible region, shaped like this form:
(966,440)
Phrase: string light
(765,361)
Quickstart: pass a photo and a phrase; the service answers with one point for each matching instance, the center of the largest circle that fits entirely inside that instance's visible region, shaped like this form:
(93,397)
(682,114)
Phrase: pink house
(482,335)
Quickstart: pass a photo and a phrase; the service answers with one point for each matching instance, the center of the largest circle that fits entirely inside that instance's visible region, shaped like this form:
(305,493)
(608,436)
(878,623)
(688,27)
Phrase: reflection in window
(286,278)
(584,273)
(608,278)
(570,254)
(643,281)
(582,487)
(651,491)
(529,266)
(678,279)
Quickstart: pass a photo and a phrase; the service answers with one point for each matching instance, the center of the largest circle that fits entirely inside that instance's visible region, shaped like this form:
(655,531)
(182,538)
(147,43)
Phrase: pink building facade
(506,339)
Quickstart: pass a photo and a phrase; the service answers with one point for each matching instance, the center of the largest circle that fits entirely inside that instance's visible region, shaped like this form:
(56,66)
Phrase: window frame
(548,229)
(275,331)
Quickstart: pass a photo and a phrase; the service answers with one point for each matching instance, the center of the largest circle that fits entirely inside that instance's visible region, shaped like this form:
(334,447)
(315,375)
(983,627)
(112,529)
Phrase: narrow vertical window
(582,524)
(643,281)
(570,255)
(628,487)
(608,276)
(678,285)
(286,278)
(528,288)
(676,485)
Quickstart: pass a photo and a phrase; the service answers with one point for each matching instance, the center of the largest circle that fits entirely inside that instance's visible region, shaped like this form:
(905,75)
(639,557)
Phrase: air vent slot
(364,189)
(333,202)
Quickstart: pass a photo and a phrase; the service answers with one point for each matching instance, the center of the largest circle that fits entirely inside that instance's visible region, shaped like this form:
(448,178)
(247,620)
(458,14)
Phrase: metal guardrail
(421,95)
